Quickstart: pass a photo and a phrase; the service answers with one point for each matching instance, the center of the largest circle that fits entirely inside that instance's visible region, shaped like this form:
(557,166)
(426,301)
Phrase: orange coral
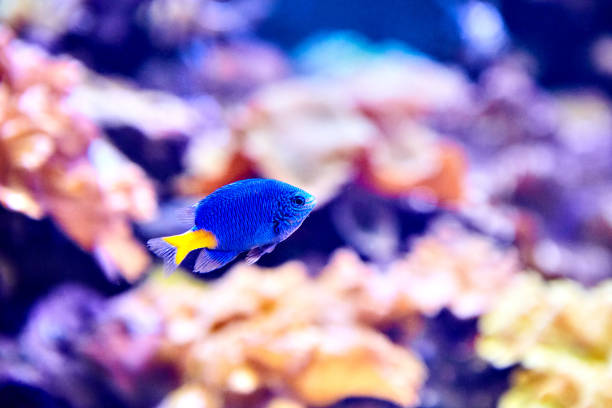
(415,160)
(46,167)
(320,133)
(279,331)
(259,334)
(306,132)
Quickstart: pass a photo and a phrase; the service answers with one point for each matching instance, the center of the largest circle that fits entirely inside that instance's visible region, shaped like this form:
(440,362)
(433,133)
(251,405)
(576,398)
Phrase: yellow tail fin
(174,249)
(190,240)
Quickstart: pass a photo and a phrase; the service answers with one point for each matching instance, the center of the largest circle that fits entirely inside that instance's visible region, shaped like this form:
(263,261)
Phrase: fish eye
(298,200)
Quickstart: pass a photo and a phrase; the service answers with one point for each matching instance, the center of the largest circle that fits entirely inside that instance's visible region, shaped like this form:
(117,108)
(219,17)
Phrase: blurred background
(460,254)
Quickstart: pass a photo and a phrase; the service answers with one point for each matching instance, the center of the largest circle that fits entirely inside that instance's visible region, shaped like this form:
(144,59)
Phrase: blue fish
(249,215)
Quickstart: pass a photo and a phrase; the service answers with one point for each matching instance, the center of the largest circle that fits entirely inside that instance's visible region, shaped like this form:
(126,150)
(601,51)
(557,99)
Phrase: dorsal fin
(186,215)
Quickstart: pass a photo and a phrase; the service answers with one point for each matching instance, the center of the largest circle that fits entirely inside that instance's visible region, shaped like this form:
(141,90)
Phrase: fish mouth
(311,202)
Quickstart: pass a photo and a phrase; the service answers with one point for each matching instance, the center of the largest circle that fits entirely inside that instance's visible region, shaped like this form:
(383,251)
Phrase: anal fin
(254,254)
(211,259)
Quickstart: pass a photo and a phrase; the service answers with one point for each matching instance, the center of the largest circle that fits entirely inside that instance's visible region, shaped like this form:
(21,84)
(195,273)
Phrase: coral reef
(56,163)
(560,333)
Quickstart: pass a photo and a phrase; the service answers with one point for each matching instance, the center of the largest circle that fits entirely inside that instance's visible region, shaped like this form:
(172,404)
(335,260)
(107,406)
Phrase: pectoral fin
(254,254)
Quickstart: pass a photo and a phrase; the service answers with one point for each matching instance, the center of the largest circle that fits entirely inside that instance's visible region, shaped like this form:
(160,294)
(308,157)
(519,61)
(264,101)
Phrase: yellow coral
(560,332)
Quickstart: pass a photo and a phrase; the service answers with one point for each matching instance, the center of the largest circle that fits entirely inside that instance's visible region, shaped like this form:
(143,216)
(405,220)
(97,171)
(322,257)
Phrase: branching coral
(448,268)
(257,334)
(45,20)
(455,268)
(520,138)
(172,21)
(413,159)
(54,162)
(561,334)
(320,133)
(280,331)
(308,131)
(271,336)
(140,108)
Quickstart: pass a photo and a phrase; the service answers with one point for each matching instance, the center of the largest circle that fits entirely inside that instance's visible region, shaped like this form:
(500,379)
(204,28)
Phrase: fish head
(296,205)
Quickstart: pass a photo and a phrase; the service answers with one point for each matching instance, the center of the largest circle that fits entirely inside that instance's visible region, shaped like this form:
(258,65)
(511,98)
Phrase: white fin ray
(254,254)
(165,251)
(186,215)
(211,259)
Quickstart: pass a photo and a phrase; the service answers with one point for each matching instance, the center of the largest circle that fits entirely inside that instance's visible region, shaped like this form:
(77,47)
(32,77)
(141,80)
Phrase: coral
(45,19)
(139,108)
(413,159)
(369,121)
(493,172)
(449,267)
(454,268)
(231,70)
(173,22)
(55,162)
(308,131)
(561,334)
(257,331)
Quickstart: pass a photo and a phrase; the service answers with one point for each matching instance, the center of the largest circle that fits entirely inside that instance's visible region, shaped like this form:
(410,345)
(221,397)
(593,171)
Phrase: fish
(251,215)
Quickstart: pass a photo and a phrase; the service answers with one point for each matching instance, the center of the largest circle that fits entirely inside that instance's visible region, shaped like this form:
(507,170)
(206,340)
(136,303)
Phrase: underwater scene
(305,203)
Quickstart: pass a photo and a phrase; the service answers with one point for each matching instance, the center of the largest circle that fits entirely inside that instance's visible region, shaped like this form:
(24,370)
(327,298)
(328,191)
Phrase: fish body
(249,215)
